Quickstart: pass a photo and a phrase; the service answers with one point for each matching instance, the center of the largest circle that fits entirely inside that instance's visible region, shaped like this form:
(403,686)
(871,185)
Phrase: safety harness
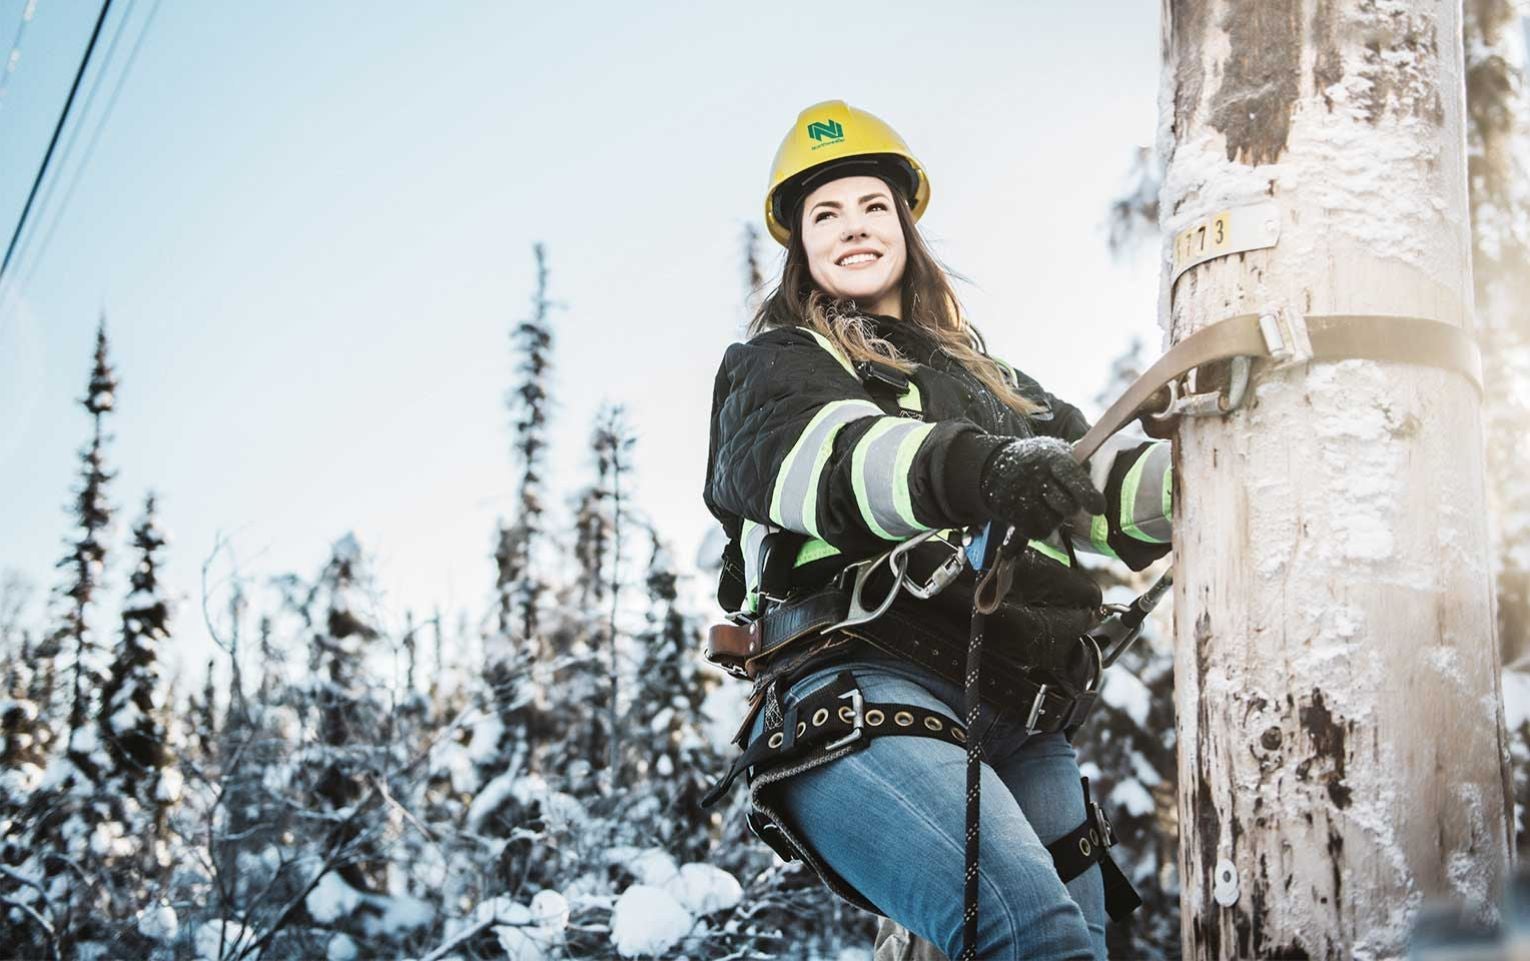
(821,728)
(837,720)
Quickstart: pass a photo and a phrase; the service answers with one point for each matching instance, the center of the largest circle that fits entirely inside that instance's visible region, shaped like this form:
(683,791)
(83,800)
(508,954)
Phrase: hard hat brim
(896,171)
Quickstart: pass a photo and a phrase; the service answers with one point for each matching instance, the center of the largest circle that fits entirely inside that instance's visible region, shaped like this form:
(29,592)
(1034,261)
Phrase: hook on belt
(897,560)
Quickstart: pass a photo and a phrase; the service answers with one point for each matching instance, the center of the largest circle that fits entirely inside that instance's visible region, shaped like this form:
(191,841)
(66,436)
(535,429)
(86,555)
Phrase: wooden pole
(1342,753)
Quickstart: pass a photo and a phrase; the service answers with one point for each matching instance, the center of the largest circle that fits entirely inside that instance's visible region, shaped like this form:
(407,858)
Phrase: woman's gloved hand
(1034,484)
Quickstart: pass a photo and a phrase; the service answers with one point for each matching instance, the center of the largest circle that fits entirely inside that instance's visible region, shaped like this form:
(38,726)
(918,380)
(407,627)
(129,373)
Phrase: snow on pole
(1341,729)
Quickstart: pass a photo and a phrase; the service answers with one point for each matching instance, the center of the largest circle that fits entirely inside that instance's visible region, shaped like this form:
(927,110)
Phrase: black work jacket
(771,450)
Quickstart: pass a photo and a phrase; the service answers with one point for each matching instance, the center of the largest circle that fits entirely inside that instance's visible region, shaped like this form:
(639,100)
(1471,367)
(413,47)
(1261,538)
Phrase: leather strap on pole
(1400,340)
(1394,339)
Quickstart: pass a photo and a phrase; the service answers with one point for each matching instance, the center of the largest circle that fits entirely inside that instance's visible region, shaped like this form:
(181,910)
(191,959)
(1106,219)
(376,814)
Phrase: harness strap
(1330,337)
(831,718)
(836,718)
(1400,340)
(1047,707)
(1087,845)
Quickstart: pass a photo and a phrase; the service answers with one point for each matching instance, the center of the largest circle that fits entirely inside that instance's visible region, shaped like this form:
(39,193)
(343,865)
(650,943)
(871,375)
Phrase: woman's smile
(858,259)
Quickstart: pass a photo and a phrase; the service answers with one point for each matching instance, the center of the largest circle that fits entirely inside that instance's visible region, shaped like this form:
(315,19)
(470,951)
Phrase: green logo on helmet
(827,130)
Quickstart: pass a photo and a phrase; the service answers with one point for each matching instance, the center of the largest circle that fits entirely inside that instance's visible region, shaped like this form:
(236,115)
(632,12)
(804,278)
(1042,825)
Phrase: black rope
(63,118)
(973,703)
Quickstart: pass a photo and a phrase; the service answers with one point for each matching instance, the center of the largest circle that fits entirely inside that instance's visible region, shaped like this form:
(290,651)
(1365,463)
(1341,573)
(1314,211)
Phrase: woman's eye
(818,217)
(875,205)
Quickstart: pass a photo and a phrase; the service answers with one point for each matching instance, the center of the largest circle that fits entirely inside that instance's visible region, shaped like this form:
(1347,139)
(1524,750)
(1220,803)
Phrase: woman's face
(854,243)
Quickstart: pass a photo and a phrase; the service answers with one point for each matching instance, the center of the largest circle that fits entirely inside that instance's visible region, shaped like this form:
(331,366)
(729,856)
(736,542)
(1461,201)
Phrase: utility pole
(1498,142)
(1342,751)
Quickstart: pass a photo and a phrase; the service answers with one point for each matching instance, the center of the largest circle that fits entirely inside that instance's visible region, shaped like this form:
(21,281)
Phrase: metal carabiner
(940,578)
(859,613)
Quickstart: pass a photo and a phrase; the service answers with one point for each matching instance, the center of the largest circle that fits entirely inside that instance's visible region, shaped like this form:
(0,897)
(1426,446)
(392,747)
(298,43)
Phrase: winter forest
(523,781)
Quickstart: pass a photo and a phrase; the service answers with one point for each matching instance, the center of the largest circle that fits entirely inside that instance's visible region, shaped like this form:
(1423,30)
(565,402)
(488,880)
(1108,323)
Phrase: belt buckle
(1102,824)
(858,705)
(1036,710)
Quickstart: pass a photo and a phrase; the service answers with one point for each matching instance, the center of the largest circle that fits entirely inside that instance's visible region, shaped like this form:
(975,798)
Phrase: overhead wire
(56,215)
(13,58)
(63,117)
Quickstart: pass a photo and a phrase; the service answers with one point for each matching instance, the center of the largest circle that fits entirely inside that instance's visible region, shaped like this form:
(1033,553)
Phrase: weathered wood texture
(1341,728)
(1498,148)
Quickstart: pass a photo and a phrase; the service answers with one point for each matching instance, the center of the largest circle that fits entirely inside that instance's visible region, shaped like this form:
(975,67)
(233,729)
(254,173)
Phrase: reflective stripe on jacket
(799,442)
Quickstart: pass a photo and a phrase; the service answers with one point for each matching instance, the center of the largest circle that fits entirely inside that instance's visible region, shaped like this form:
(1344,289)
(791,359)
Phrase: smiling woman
(854,243)
(862,425)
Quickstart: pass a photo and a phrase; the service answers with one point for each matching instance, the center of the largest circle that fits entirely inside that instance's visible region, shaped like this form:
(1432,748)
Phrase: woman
(863,414)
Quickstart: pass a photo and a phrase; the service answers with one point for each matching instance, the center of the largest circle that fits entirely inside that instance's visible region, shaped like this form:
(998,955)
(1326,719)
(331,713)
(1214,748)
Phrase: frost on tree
(522,591)
(59,848)
(131,712)
(350,723)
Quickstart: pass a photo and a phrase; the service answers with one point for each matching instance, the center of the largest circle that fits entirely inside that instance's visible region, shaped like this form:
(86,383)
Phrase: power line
(63,117)
(13,58)
(57,215)
(74,136)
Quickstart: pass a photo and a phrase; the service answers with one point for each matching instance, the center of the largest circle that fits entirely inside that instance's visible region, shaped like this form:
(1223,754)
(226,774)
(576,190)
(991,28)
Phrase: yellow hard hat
(833,139)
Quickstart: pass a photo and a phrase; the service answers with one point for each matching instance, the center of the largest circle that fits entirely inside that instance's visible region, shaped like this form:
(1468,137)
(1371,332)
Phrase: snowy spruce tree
(495,770)
(59,891)
(529,403)
(668,762)
(24,734)
(132,709)
(590,683)
(86,563)
(612,444)
(351,731)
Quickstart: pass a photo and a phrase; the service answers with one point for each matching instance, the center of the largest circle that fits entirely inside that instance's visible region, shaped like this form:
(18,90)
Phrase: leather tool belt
(1046,705)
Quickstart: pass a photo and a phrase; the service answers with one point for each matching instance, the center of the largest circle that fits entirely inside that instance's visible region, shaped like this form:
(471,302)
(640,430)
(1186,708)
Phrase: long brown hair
(929,304)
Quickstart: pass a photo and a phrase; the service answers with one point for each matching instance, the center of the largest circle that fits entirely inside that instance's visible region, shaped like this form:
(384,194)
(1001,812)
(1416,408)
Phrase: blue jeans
(891,820)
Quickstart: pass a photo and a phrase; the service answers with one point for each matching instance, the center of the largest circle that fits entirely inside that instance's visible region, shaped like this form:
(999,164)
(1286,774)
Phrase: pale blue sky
(310,226)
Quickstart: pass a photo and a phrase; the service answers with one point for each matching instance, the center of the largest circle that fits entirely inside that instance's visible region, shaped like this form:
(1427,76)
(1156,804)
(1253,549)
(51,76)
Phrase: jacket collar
(912,342)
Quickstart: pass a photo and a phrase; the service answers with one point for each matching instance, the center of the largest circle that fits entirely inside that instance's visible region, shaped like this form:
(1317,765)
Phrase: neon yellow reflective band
(794,502)
(912,400)
(828,345)
(815,550)
(1042,547)
(1129,485)
(903,500)
(858,475)
(1168,493)
(1099,535)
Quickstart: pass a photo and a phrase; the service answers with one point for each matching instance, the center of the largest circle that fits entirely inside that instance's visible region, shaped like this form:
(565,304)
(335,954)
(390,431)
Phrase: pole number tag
(1229,232)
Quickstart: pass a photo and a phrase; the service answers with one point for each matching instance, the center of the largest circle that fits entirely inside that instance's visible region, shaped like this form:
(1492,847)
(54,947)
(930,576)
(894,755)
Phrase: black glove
(1034,484)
